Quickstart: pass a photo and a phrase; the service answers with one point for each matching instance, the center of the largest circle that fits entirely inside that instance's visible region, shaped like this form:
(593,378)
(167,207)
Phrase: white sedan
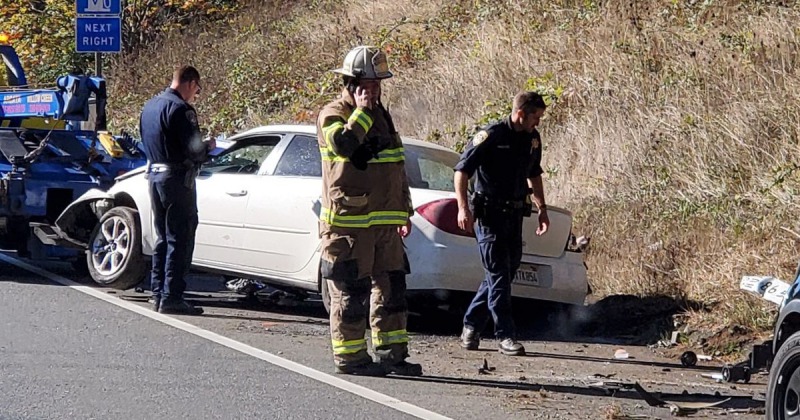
(259,203)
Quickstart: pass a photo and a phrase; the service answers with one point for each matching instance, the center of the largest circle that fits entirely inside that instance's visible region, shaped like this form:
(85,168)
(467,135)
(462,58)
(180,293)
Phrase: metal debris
(677,408)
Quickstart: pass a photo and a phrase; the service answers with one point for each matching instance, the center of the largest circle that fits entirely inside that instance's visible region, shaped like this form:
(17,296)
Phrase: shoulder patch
(535,143)
(480,137)
(191,116)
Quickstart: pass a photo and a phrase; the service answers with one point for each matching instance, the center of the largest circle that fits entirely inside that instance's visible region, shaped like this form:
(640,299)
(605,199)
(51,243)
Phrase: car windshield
(429,168)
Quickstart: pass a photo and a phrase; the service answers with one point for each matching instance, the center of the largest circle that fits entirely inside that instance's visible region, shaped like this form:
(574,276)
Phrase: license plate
(527,276)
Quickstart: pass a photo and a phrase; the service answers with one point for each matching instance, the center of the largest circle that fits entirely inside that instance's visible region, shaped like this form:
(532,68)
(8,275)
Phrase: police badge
(479,138)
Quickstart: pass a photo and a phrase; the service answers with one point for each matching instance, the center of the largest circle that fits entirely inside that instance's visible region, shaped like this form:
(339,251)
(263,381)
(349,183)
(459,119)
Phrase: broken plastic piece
(715,376)
(244,286)
(768,287)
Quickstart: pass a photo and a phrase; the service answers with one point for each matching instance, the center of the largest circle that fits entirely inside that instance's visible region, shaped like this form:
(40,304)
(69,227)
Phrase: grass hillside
(672,132)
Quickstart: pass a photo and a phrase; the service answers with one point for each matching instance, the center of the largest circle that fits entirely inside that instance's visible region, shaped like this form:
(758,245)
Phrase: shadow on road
(619,319)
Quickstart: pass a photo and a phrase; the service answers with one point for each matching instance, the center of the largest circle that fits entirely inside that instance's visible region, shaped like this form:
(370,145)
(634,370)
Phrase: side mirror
(204,174)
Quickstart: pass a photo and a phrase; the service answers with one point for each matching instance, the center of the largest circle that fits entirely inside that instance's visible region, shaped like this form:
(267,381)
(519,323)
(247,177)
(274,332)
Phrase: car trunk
(552,244)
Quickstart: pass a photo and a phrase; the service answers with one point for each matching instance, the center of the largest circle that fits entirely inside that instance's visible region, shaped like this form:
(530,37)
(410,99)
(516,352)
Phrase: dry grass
(674,138)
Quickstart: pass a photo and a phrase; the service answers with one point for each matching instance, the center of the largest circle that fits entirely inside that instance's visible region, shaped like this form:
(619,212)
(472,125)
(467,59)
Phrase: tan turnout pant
(366,267)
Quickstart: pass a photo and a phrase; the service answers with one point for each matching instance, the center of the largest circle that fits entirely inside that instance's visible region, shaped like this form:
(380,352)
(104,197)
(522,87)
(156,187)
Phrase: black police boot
(367,368)
(511,347)
(469,339)
(155,303)
(180,307)
(403,368)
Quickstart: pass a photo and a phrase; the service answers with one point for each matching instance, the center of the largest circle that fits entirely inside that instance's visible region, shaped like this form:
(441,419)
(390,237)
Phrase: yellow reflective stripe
(361,118)
(384,156)
(329,155)
(391,337)
(329,131)
(389,155)
(364,221)
(349,347)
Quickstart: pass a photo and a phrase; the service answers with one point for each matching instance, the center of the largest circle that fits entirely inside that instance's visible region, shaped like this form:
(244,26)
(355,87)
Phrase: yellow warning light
(4,38)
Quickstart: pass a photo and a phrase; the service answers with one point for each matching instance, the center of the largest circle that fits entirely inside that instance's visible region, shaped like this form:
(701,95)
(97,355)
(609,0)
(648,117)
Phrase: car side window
(244,157)
(301,158)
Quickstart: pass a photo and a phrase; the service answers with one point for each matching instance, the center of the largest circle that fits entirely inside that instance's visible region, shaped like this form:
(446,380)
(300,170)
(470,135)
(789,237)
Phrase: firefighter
(366,206)
(505,158)
(174,149)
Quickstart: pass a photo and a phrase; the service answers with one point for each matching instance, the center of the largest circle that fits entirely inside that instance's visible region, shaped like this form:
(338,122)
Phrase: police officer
(366,205)
(506,159)
(174,148)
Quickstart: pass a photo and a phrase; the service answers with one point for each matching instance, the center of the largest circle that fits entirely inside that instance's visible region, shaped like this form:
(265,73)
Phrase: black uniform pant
(174,207)
(500,241)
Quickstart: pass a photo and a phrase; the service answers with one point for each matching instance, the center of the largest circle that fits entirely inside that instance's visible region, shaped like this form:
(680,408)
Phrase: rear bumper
(444,262)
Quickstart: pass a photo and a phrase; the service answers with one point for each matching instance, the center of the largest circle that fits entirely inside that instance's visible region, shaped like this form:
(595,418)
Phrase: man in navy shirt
(505,158)
(174,148)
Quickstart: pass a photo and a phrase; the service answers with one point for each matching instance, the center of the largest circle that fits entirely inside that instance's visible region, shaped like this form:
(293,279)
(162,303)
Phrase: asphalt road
(87,352)
(68,355)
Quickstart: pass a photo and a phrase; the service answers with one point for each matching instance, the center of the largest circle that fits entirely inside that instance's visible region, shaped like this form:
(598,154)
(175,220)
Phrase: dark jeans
(500,242)
(175,218)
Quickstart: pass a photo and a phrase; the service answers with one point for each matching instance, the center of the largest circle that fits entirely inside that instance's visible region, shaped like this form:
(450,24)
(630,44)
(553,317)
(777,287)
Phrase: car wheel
(115,250)
(783,389)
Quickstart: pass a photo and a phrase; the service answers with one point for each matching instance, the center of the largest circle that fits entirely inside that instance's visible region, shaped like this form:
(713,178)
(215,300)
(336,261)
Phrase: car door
(224,187)
(282,217)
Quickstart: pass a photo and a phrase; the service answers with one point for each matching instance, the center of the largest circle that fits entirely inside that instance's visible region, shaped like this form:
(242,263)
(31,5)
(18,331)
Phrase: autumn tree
(43,31)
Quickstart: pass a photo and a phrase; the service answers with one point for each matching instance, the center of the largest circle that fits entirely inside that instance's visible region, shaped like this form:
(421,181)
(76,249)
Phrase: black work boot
(361,369)
(469,339)
(403,368)
(511,347)
(180,307)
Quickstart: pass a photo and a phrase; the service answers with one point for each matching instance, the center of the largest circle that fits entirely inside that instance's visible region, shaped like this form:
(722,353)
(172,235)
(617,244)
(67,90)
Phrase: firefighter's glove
(361,156)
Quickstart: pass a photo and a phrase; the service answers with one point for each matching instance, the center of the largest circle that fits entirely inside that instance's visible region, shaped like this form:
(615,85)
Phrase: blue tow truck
(54,146)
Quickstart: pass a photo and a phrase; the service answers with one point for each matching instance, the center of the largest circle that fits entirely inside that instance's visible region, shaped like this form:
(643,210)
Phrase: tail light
(444,215)
(122,172)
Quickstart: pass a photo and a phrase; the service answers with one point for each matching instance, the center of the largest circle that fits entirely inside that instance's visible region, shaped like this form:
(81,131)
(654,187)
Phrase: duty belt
(483,204)
(154,168)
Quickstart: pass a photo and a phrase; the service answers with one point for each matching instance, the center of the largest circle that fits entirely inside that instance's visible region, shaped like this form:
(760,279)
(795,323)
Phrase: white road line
(316,375)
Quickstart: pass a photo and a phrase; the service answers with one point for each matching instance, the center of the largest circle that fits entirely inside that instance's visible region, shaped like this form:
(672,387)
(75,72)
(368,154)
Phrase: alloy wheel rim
(111,246)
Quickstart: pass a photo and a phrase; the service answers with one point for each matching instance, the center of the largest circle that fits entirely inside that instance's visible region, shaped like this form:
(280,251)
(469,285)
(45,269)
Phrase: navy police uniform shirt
(169,129)
(503,160)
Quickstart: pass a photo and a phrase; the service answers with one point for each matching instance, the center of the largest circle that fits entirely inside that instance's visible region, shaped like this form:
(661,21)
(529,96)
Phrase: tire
(123,266)
(783,396)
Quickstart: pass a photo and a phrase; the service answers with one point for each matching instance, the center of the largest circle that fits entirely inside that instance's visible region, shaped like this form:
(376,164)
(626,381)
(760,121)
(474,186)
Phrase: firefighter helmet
(365,62)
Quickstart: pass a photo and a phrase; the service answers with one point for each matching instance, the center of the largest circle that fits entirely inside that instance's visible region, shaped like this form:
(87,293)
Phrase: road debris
(677,408)
(715,376)
(688,359)
(621,354)
(603,376)
(611,387)
(767,287)
(485,369)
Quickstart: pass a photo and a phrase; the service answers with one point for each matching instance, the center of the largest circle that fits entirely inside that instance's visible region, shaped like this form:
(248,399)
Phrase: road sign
(98,34)
(98,7)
